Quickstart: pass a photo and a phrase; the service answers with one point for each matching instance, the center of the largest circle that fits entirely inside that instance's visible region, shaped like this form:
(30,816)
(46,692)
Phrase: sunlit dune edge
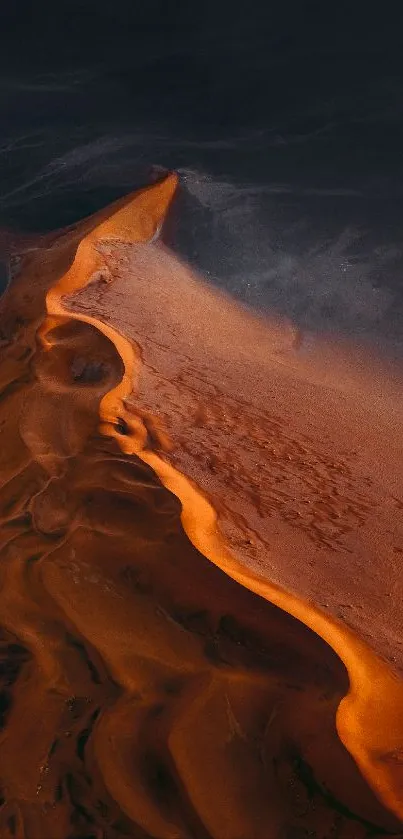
(137,412)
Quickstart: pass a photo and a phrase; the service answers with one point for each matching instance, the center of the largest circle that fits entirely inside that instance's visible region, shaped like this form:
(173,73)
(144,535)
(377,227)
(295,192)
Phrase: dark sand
(202,534)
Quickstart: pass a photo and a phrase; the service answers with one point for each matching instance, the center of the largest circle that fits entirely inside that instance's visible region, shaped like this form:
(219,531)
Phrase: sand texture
(201,624)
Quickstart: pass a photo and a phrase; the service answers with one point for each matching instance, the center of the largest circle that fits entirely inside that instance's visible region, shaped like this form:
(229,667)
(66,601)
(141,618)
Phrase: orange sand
(147,693)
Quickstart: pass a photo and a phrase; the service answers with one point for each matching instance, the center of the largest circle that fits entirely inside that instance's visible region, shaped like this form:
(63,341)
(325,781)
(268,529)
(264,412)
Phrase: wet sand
(202,532)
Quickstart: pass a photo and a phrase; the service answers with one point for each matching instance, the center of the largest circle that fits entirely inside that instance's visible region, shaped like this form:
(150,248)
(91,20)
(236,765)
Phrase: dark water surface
(284,121)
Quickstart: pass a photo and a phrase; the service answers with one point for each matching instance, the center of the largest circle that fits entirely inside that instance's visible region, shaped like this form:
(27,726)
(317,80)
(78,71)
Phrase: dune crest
(189,690)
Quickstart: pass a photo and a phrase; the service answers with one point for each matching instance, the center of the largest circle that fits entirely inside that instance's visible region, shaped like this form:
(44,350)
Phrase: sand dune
(202,533)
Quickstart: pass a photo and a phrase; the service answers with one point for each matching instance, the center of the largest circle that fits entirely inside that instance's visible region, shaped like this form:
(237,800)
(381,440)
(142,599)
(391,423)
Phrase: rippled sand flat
(202,538)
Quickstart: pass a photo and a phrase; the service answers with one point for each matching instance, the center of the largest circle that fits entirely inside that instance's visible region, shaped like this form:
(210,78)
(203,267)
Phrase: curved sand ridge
(368,717)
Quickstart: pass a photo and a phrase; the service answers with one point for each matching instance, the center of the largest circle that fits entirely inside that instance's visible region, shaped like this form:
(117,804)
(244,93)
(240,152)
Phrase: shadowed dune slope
(202,533)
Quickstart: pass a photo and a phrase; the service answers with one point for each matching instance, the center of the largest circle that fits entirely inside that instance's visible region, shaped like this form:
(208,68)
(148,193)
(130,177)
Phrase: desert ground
(201,549)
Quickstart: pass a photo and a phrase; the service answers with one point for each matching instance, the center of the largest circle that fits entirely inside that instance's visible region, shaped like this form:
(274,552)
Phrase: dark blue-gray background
(284,119)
